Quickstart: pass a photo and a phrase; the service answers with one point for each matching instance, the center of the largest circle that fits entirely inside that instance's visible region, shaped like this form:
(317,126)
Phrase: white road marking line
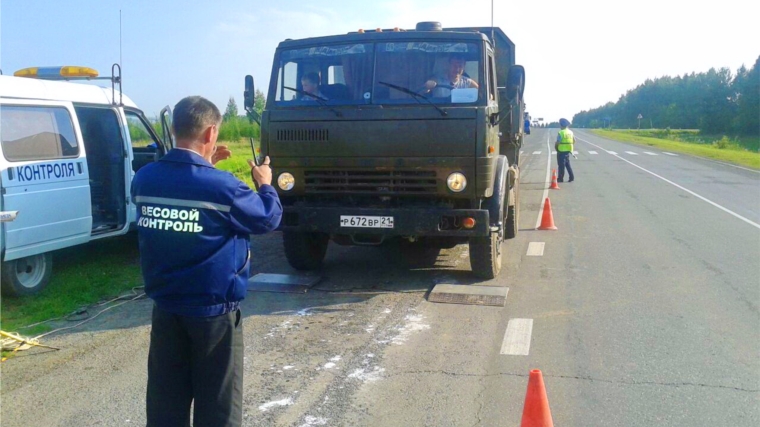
(546,187)
(632,153)
(592,152)
(536,248)
(517,338)
(669,154)
(612,152)
(554,152)
(650,153)
(536,152)
(575,152)
(748,221)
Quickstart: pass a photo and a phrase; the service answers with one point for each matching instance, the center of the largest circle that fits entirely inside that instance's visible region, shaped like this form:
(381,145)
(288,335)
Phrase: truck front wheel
(485,256)
(26,276)
(305,251)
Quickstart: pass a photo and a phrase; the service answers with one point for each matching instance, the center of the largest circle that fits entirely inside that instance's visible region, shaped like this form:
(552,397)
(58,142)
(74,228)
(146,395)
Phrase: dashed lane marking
(546,187)
(592,152)
(632,153)
(554,152)
(536,152)
(612,152)
(669,154)
(536,248)
(517,338)
(650,153)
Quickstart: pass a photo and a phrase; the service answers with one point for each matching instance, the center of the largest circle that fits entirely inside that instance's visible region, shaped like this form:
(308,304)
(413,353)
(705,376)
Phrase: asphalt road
(644,311)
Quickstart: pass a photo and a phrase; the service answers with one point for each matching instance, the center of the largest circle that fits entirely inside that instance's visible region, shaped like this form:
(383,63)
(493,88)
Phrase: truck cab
(68,152)
(405,134)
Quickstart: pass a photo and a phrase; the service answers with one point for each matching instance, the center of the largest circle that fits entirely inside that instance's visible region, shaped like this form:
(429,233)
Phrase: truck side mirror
(515,81)
(249,93)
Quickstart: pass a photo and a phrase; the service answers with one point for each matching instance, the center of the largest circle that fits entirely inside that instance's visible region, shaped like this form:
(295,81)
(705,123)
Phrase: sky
(577,55)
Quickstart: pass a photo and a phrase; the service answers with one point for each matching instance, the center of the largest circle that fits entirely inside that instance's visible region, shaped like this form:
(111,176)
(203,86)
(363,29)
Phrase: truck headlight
(285,181)
(456,182)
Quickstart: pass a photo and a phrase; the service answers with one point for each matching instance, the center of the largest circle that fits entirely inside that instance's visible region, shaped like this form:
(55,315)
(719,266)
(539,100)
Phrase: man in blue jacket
(194,224)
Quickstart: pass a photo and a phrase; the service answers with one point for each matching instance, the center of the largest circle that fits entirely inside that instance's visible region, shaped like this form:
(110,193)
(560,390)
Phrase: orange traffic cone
(547,220)
(536,411)
(554,185)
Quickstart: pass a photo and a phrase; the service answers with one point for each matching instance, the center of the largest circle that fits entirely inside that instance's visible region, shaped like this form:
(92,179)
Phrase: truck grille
(370,182)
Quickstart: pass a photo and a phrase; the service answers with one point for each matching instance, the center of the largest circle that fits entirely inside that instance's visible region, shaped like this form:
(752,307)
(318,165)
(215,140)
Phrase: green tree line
(715,102)
(235,126)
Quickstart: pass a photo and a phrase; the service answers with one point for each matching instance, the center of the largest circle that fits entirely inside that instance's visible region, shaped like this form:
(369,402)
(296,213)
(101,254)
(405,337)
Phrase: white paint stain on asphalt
(329,365)
(335,359)
(517,338)
(367,375)
(310,421)
(284,402)
(413,324)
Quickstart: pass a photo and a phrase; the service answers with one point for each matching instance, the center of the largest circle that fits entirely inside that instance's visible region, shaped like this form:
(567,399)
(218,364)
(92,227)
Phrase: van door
(44,175)
(146,148)
(166,127)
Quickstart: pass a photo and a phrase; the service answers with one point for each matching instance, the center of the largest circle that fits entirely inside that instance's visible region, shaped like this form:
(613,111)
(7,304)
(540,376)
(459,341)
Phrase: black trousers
(195,359)
(563,161)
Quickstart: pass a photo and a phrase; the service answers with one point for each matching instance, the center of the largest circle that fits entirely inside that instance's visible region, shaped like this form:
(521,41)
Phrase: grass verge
(730,154)
(82,275)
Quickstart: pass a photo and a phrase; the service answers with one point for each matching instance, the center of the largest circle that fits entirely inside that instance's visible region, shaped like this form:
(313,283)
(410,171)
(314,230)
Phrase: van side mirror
(249,93)
(516,82)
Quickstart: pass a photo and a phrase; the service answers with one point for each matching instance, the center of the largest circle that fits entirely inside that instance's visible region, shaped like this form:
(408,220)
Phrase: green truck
(396,134)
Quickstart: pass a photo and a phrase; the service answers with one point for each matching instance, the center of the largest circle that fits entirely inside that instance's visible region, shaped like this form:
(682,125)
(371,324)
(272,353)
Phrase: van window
(36,133)
(138,132)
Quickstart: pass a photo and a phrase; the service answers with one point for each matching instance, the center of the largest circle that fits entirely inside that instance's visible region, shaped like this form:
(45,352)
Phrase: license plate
(366,221)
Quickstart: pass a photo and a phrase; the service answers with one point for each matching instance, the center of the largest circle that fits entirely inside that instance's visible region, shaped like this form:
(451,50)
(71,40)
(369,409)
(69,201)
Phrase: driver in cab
(454,79)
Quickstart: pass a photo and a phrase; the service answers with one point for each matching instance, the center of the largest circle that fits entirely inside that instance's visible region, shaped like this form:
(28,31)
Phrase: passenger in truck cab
(454,78)
(310,85)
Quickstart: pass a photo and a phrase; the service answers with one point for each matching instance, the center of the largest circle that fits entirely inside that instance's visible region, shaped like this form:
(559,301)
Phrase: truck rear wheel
(485,256)
(305,251)
(26,276)
(512,225)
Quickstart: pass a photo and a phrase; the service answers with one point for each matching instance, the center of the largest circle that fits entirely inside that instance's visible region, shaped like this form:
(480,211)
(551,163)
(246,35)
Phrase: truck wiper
(416,96)
(319,99)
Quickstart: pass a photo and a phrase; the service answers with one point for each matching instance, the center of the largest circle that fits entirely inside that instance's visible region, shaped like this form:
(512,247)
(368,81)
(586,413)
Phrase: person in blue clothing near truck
(194,225)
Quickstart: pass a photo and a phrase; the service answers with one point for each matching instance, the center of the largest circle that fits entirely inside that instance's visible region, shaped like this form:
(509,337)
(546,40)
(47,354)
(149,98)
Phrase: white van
(68,152)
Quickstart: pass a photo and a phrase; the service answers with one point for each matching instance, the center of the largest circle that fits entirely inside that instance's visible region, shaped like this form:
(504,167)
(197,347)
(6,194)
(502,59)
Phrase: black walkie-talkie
(255,163)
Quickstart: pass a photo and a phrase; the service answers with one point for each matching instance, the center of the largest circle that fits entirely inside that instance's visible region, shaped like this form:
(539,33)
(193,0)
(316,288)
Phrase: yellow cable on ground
(17,342)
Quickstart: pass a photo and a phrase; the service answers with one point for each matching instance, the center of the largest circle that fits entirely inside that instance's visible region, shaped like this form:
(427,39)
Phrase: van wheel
(305,251)
(485,256)
(26,276)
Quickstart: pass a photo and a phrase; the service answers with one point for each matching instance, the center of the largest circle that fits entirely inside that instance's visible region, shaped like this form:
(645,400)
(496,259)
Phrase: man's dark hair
(312,77)
(192,115)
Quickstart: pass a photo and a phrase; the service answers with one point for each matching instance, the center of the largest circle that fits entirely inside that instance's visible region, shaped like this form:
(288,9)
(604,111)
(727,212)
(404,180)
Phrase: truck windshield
(325,75)
(442,72)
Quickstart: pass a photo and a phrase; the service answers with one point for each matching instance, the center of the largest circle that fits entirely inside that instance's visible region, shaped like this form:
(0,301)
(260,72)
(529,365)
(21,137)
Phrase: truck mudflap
(388,222)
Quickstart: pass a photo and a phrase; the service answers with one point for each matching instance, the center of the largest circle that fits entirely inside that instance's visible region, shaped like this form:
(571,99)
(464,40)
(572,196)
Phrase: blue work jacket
(194,224)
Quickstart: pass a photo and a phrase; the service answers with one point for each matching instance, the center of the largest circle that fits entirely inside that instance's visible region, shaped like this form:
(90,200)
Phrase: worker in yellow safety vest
(564,147)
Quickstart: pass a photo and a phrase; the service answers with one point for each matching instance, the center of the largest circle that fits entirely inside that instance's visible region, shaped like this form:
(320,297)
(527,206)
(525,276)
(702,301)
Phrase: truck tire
(26,276)
(485,251)
(485,256)
(511,225)
(305,251)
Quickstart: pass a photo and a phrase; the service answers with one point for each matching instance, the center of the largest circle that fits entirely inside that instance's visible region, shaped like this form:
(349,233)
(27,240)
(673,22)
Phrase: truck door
(44,178)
